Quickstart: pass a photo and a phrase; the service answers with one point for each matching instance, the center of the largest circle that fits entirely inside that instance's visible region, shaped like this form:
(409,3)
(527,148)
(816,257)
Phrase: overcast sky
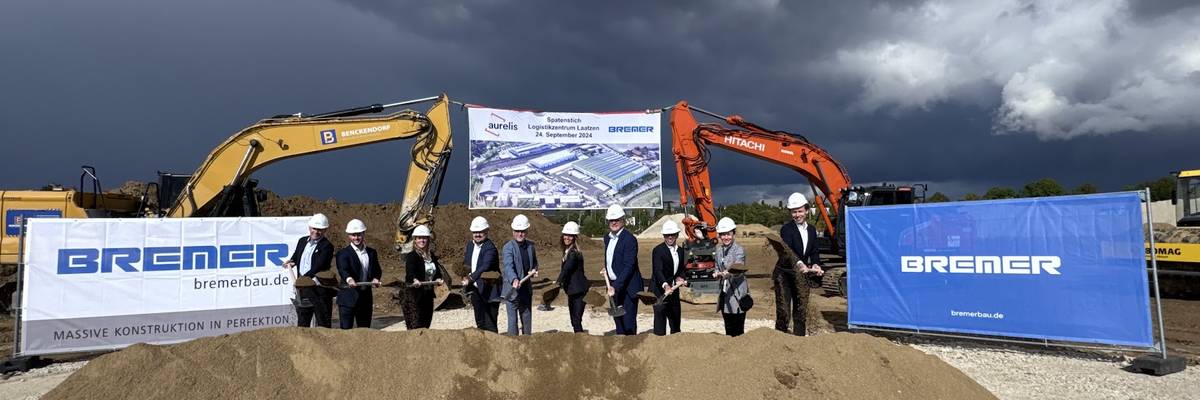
(962,95)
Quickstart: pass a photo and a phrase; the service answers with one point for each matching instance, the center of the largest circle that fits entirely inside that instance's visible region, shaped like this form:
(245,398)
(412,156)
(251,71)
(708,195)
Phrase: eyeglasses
(521,231)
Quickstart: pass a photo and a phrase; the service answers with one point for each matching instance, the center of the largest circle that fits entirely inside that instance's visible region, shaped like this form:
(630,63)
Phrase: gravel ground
(1012,373)
(36,382)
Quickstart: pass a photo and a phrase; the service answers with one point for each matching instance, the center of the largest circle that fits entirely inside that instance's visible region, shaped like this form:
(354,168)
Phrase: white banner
(95,284)
(555,160)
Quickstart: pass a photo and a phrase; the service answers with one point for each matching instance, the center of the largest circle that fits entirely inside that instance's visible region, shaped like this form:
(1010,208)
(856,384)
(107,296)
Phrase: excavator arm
(274,139)
(691,139)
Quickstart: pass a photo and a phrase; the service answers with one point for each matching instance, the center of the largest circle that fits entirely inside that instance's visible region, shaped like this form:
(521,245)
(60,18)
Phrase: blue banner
(14,218)
(1060,268)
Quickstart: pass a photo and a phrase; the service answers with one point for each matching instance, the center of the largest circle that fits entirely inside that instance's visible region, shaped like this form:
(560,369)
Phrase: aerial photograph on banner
(529,160)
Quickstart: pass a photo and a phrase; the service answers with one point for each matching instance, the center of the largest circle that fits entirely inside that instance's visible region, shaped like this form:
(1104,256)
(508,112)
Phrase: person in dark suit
(571,277)
(667,260)
(804,258)
(481,256)
(357,263)
(313,256)
(420,265)
(621,267)
(518,259)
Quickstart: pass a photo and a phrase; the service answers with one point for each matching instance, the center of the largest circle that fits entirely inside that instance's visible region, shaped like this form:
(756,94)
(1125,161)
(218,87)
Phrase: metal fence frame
(1161,347)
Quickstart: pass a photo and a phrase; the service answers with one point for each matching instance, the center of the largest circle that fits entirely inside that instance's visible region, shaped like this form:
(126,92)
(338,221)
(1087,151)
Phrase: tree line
(592,222)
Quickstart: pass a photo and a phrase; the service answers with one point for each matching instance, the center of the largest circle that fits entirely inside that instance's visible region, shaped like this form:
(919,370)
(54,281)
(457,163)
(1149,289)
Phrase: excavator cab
(233,200)
(1187,198)
(878,195)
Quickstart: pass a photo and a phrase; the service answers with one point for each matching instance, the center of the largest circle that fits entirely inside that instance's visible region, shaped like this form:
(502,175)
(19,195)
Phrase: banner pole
(16,300)
(1162,336)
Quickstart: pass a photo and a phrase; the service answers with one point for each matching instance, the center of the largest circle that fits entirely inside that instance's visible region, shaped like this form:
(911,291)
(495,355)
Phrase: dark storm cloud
(134,88)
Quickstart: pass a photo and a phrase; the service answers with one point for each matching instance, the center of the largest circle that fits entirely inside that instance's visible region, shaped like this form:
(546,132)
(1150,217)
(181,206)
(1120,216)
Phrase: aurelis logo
(499,123)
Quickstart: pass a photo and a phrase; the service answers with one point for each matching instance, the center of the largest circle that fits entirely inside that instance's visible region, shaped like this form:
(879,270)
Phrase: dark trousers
(669,313)
(627,324)
(318,303)
(791,301)
(575,307)
(520,317)
(418,310)
(735,324)
(485,313)
(359,313)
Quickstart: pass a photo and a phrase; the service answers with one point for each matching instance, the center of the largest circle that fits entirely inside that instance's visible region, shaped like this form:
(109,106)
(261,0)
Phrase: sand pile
(654,231)
(470,364)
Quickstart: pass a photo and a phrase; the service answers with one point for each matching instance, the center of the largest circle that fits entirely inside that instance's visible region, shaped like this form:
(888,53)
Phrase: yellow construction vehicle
(221,186)
(1178,248)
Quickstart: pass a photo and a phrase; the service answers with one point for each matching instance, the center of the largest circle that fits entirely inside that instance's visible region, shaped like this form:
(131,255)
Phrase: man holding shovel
(624,280)
(313,256)
(666,277)
(790,274)
(481,258)
(520,264)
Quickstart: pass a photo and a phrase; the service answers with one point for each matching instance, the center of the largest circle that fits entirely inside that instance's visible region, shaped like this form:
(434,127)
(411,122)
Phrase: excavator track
(834,282)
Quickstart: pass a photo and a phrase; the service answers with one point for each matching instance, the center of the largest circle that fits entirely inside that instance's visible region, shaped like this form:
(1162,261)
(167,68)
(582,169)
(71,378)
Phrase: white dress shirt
(306,257)
(674,250)
(612,246)
(475,256)
(366,261)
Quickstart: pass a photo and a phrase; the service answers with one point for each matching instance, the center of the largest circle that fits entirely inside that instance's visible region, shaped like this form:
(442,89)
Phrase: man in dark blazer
(481,256)
(621,268)
(789,276)
(357,263)
(667,270)
(313,255)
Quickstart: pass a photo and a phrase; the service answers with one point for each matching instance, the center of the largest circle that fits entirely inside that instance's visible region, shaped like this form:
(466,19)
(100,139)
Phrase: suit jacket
(625,264)
(663,268)
(513,267)
(322,257)
(350,266)
(572,277)
(414,268)
(489,260)
(800,251)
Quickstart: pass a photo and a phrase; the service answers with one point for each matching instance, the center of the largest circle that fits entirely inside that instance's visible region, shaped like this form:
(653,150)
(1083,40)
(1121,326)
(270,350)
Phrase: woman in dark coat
(420,265)
(572,280)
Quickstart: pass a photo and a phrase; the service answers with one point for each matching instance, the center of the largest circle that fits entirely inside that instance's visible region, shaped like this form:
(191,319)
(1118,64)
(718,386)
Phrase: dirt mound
(654,231)
(470,364)
(451,232)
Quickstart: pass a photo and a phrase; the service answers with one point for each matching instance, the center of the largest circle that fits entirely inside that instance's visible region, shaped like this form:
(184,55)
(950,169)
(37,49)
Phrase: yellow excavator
(221,186)
(1178,248)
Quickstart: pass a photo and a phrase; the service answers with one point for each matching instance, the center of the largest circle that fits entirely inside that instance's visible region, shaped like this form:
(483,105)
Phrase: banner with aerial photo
(557,160)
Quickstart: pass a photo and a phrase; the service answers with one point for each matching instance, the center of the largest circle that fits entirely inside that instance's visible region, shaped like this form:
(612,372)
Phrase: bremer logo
(498,123)
(749,144)
(630,129)
(176,258)
(1007,265)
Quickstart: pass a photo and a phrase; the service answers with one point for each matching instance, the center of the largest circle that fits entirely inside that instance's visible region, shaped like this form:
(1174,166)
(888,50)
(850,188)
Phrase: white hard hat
(797,200)
(614,212)
(421,230)
(570,228)
(670,228)
(479,224)
(726,225)
(355,226)
(318,221)
(520,222)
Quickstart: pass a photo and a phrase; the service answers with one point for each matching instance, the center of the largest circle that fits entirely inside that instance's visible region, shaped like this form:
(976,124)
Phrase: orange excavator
(829,182)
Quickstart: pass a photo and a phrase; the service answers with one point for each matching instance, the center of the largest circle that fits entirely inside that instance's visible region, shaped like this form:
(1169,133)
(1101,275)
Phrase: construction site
(503,200)
(454,360)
